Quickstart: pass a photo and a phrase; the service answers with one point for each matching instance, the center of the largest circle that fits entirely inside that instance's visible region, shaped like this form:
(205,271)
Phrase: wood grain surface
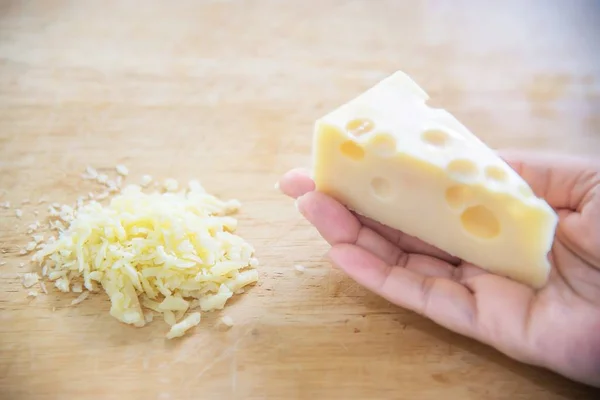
(227,92)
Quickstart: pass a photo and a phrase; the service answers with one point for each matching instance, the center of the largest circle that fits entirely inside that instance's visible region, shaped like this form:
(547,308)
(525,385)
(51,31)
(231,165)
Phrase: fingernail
(297,202)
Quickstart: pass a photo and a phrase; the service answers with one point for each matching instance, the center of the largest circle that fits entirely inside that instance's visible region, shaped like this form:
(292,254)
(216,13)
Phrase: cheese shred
(165,253)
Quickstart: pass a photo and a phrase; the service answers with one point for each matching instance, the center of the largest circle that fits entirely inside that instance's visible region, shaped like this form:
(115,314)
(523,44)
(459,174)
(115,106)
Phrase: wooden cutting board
(226,92)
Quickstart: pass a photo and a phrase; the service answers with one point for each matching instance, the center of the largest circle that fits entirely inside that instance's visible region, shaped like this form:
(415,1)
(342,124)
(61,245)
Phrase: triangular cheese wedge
(389,156)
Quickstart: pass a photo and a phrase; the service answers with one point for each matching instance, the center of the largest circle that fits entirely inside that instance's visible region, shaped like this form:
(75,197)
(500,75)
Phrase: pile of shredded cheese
(166,253)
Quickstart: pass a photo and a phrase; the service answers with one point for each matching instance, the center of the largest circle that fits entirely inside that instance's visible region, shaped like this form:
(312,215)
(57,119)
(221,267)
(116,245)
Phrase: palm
(556,327)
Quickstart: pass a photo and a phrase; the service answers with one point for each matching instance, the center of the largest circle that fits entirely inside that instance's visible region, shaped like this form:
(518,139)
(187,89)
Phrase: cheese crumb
(165,252)
(90,173)
(300,268)
(32,293)
(148,317)
(18,213)
(33,227)
(80,298)
(43,286)
(25,201)
(171,185)
(42,199)
(195,186)
(180,328)
(6,204)
(227,320)
(2,263)
(77,288)
(122,170)
(29,279)
(146,180)
(102,178)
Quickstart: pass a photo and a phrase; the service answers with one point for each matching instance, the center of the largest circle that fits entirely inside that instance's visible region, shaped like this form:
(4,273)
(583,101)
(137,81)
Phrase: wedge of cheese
(387,155)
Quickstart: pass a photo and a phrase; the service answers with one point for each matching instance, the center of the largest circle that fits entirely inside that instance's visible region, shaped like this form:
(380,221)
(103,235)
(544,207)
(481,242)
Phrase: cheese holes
(480,222)
(496,174)
(435,138)
(352,150)
(462,169)
(459,195)
(381,187)
(383,144)
(360,126)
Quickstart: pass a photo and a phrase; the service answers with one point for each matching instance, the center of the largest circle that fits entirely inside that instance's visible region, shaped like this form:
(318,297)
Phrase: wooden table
(227,92)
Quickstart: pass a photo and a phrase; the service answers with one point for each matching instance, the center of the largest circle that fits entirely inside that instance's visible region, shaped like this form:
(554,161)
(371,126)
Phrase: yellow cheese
(166,252)
(389,156)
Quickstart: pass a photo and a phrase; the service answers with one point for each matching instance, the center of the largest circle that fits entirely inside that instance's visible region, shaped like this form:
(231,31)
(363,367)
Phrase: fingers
(409,244)
(333,221)
(296,182)
(337,225)
(443,300)
(488,308)
(563,181)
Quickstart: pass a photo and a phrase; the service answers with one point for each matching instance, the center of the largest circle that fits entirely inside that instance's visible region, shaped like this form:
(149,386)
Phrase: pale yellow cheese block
(389,156)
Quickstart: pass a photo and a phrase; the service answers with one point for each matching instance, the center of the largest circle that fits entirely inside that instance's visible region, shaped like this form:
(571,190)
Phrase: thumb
(564,181)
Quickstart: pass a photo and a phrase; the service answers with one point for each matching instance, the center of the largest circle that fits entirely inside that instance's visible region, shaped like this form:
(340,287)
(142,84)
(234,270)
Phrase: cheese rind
(387,155)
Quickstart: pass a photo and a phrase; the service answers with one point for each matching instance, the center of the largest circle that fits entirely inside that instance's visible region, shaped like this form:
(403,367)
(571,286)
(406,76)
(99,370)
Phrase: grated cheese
(6,204)
(102,178)
(196,186)
(80,298)
(300,268)
(146,180)
(2,263)
(18,213)
(165,252)
(148,317)
(180,328)
(171,185)
(90,173)
(122,170)
(227,320)
(29,279)
(32,293)
(33,227)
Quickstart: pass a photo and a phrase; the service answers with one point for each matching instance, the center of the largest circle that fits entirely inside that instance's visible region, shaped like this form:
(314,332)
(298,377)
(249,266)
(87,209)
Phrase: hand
(557,327)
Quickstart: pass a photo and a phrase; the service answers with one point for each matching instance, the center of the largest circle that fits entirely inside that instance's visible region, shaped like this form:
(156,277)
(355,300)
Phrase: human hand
(556,327)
